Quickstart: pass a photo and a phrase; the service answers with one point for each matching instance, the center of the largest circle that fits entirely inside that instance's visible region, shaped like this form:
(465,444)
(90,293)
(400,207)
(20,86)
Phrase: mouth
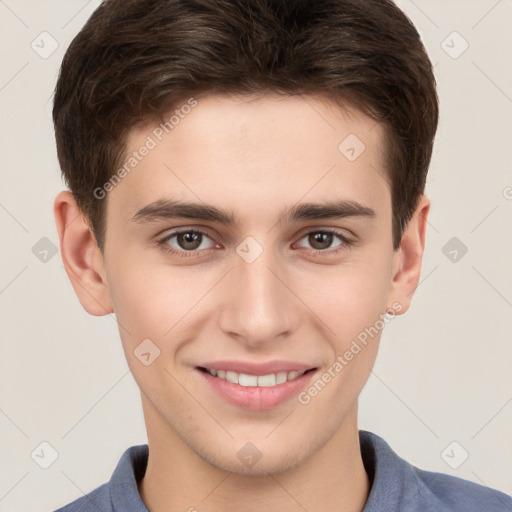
(263,381)
(256,387)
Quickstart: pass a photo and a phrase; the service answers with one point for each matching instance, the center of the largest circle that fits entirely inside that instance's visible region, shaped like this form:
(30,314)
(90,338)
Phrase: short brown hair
(134,60)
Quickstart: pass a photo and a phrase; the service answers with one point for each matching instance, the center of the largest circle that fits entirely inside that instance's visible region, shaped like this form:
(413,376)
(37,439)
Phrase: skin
(255,157)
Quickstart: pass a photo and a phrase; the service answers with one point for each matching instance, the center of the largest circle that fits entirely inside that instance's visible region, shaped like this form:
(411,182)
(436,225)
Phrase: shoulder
(399,486)
(450,493)
(97,500)
(120,494)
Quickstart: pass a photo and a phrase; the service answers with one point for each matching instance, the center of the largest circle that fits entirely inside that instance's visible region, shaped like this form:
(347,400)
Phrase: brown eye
(320,240)
(189,240)
(323,241)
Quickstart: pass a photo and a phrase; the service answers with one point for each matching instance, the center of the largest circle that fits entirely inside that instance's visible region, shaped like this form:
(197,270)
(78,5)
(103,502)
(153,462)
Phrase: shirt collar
(394,483)
(130,470)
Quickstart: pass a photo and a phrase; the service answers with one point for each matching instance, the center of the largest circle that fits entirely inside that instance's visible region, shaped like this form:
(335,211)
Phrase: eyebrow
(173,209)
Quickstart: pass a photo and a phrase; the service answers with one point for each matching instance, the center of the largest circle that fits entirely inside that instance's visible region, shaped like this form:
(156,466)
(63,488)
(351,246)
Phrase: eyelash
(346,243)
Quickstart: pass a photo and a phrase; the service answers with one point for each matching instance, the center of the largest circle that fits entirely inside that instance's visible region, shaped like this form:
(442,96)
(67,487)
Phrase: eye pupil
(323,239)
(189,240)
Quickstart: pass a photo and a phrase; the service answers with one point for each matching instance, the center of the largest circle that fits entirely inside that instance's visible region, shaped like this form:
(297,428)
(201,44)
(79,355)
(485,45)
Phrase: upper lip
(252,368)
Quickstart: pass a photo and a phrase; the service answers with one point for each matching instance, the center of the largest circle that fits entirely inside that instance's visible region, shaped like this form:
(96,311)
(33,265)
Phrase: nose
(259,308)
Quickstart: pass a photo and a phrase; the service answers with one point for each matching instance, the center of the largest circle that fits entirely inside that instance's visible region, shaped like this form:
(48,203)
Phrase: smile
(244,379)
(256,386)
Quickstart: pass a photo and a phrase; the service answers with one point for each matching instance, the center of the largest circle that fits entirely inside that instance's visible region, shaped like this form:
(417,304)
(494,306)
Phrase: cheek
(349,298)
(153,300)
(353,309)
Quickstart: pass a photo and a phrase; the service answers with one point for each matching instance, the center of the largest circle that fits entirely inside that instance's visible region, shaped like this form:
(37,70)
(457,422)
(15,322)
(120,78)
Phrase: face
(253,240)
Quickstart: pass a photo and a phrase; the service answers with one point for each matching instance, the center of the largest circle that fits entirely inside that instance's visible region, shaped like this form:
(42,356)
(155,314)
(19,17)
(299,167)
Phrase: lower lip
(257,398)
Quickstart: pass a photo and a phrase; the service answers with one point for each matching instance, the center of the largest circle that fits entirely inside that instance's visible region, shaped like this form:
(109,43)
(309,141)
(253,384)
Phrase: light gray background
(443,372)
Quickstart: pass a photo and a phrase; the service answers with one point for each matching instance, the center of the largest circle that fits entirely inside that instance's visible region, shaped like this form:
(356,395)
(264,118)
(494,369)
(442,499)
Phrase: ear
(407,259)
(81,256)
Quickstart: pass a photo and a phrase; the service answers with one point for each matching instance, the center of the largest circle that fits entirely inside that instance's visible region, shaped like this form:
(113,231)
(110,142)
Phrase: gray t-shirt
(396,486)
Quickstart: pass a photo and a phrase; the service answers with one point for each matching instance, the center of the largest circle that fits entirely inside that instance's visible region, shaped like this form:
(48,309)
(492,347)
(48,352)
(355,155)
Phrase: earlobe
(81,256)
(408,258)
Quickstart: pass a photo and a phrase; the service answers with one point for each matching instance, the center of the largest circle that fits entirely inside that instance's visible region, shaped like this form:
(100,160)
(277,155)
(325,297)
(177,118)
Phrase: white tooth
(267,380)
(281,377)
(232,377)
(247,380)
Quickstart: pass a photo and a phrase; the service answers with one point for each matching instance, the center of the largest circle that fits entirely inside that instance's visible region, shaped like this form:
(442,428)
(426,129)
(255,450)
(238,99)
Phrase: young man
(247,184)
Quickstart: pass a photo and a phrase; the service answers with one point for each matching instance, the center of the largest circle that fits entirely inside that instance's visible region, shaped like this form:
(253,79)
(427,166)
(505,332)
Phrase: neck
(176,478)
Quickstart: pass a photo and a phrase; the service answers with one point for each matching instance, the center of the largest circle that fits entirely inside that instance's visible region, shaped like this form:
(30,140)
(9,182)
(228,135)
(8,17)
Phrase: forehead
(249,152)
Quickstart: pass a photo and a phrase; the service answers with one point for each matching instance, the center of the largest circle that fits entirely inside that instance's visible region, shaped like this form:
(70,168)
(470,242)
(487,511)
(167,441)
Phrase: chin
(250,461)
